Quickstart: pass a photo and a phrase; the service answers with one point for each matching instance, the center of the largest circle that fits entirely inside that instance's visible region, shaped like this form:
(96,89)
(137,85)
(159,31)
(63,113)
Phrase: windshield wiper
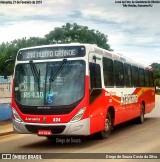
(36,73)
(56,72)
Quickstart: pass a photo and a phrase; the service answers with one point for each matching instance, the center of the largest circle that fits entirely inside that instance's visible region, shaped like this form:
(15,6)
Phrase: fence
(5,111)
(5,87)
(5,90)
(5,98)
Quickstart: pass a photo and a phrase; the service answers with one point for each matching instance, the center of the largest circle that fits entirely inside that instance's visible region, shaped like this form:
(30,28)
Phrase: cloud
(132,31)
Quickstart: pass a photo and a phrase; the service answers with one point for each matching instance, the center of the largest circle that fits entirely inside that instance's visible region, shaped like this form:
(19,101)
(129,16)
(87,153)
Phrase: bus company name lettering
(32,119)
(110,94)
(128,99)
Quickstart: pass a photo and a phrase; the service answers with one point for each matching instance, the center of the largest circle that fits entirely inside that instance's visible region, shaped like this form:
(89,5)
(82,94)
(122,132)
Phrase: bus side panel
(99,109)
(152,104)
(120,114)
(135,105)
(97,116)
(146,96)
(149,98)
(120,111)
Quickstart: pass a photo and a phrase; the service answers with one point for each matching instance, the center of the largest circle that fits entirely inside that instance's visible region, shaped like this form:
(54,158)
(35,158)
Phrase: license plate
(44,132)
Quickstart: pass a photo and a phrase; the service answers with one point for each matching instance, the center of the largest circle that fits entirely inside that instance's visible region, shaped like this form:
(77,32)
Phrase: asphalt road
(125,138)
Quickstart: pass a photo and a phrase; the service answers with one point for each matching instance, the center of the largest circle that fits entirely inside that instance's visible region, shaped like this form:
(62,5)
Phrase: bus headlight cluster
(16,116)
(79,115)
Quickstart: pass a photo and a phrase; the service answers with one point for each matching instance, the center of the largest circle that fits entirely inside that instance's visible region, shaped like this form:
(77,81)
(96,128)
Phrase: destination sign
(51,53)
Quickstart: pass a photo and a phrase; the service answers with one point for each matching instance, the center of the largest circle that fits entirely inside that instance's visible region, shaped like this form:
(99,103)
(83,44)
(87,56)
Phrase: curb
(5,122)
(6,133)
(9,129)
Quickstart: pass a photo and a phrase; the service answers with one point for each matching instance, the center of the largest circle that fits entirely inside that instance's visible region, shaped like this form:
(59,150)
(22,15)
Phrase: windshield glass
(65,89)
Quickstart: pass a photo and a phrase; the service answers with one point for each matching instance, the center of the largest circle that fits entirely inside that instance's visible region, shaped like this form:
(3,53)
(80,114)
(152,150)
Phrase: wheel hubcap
(107,124)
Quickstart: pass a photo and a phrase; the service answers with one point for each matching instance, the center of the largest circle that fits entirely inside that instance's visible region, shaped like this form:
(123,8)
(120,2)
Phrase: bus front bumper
(81,127)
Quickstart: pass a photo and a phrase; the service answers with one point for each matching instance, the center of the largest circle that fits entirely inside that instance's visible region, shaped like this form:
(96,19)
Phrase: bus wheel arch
(112,110)
(109,123)
(140,119)
(143,103)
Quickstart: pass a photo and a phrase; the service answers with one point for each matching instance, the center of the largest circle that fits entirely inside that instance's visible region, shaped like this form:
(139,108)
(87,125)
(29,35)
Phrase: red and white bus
(78,89)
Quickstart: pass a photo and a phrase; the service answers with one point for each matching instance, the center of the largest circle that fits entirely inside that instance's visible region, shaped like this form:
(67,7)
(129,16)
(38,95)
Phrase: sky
(132,31)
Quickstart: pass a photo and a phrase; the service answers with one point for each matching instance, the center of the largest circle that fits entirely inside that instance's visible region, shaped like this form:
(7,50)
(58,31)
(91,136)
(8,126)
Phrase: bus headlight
(16,116)
(79,115)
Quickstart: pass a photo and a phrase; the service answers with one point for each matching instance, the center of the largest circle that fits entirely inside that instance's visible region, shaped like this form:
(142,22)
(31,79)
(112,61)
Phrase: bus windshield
(66,88)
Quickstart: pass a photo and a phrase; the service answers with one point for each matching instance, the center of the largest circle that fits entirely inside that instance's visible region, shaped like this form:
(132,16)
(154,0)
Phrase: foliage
(76,33)
(9,50)
(65,34)
(156,68)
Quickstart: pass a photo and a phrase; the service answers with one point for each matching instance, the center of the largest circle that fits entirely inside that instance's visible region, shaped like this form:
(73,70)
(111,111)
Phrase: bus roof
(94,48)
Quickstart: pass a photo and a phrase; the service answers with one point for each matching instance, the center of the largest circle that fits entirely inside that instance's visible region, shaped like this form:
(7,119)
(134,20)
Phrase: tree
(65,34)
(9,50)
(156,73)
(77,33)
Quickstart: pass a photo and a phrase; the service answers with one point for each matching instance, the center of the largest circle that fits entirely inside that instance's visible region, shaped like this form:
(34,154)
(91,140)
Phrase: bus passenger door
(96,97)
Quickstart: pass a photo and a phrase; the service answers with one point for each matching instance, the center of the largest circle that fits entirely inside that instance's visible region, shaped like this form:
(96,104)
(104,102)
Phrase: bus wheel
(140,119)
(108,126)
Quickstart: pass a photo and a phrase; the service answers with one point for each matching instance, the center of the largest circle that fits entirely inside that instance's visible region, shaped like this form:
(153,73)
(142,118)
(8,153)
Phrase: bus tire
(140,119)
(108,126)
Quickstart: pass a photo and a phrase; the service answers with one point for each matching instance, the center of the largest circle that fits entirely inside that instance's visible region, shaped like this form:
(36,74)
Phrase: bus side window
(141,77)
(147,78)
(108,72)
(95,81)
(95,75)
(135,76)
(119,73)
(127,75)
(151,79)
